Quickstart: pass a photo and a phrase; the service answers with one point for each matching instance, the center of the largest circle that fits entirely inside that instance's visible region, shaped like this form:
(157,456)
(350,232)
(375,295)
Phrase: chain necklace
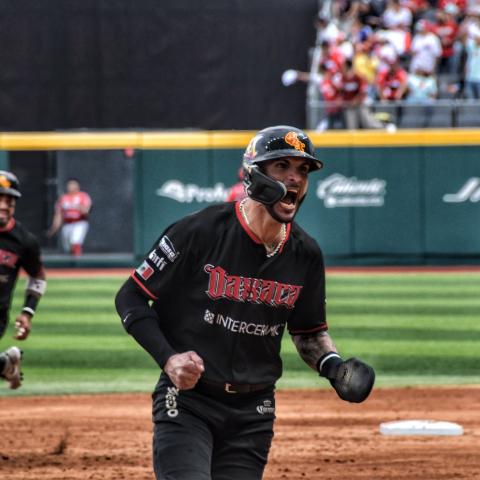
(267,246)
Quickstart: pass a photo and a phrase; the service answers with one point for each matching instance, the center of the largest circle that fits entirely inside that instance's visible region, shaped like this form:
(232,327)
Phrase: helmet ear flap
(261,187)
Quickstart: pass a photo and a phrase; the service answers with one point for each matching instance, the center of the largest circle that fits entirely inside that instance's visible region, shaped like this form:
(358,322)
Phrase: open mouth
(291,197)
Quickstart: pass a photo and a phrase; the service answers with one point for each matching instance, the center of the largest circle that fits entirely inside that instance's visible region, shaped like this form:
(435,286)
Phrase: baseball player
(18,248)
(71,215)
(210,303)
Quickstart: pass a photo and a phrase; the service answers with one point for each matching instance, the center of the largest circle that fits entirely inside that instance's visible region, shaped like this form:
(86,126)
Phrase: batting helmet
(268,144)
(9,184)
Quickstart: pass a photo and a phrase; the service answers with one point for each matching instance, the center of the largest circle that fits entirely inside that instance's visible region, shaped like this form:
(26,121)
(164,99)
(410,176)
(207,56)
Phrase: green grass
(415,329)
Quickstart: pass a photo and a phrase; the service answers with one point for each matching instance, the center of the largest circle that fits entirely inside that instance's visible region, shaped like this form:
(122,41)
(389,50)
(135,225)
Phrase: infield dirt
(317,436)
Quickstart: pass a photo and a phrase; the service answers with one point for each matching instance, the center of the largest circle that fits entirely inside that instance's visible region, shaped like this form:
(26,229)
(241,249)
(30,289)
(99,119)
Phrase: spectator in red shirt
(332,57)
(392,83)
(446,29)
(332,97)
(71,216)
(329,57)
(392,86)
(330,94)
(354,88)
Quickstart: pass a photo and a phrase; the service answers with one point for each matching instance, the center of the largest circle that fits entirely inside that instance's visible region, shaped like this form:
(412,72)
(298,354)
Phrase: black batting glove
(352,379)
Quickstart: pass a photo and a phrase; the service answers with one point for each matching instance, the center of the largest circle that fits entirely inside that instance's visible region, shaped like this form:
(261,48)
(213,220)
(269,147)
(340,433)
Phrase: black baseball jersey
(18,248)
(216,292)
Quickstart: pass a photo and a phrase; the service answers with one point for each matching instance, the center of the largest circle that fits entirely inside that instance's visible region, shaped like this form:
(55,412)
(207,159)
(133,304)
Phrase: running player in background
(71,215)
(210,302)
(18,248)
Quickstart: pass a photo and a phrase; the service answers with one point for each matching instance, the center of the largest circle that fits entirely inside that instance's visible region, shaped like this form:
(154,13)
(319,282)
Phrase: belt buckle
(228,388)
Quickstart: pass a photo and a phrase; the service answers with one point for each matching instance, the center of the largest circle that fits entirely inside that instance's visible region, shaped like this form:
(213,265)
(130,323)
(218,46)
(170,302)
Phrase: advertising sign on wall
(368,204)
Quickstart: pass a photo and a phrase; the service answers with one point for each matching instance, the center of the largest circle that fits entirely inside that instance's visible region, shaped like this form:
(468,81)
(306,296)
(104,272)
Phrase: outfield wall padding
(370,204)
(410,197)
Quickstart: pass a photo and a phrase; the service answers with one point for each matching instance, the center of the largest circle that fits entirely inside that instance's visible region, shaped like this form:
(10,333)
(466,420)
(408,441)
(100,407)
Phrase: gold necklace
(267,246)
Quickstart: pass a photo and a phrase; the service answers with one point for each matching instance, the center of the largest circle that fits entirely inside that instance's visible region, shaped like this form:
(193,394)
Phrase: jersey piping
(322,327)
(143,287)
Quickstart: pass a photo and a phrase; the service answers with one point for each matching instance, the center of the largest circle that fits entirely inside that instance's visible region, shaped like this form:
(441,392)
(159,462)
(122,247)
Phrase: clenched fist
(184,369)
(23,325)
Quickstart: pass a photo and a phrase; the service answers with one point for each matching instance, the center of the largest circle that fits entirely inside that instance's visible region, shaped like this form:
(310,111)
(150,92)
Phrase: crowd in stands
(393,50)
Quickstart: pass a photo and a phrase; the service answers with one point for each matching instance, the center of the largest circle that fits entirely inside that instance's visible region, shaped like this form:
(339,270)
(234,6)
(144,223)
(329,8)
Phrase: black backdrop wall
(212,64)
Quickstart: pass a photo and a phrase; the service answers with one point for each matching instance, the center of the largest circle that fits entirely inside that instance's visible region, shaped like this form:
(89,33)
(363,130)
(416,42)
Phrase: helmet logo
(292,139)
(4,182)
(251,151)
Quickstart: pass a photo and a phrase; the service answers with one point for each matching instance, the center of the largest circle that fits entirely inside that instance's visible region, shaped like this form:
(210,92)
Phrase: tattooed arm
(312,346)
(352,379)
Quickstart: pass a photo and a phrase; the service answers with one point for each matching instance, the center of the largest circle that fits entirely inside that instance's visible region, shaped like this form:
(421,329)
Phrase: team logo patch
(4,182)
(209,317)
(168,248)
(292,139)
(265,408)
(145,270)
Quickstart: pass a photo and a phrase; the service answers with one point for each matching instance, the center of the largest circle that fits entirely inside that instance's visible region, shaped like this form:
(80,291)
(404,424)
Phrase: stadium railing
(441,113)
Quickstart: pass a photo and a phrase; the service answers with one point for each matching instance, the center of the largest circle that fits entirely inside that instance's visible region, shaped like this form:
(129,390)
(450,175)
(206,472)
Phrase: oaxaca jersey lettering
(18,248)
(254,290)
(72,206)
(216,292)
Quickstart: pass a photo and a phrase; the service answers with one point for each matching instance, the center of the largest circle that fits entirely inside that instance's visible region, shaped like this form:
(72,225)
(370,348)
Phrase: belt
(208,386)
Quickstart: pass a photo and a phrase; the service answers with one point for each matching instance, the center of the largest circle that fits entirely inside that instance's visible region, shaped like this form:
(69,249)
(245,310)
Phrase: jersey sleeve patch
(144,270)
(162,265)
(168,248)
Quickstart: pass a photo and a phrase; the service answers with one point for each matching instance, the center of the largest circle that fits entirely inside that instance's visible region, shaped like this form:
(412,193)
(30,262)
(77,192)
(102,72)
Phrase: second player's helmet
(9,184)
(269,144)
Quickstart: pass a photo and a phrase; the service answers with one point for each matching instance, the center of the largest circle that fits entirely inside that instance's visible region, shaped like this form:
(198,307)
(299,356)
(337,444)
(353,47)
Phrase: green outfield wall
(373,203)
(409,197)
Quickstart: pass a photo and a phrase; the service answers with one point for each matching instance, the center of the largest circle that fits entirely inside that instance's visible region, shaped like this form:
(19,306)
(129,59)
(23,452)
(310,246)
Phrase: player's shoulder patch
(168,248)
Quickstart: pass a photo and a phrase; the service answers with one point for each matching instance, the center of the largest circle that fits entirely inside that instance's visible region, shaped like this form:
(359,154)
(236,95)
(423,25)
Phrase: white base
(420,427)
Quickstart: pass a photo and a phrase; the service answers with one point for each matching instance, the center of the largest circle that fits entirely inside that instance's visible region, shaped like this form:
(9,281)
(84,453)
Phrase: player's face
(73,186)
(293,173)
(7,209)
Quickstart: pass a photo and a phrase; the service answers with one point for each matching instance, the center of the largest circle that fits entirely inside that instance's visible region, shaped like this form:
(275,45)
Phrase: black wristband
(327,364)
(30,305)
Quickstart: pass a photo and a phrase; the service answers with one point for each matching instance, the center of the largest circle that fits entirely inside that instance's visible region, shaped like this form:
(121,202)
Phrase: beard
(278,218)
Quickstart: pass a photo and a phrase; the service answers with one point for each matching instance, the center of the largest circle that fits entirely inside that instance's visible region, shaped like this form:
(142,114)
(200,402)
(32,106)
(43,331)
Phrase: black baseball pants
(199,437)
